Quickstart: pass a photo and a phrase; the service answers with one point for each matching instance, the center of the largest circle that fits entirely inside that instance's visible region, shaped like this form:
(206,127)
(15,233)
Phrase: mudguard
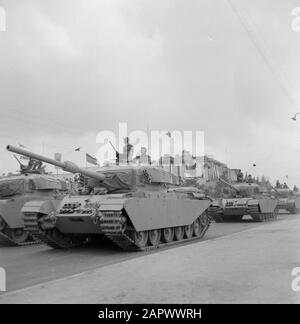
(10,212)
(154,213)
(267,205)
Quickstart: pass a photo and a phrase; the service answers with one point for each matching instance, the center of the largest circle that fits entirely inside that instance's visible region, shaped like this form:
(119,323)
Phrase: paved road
(30,265)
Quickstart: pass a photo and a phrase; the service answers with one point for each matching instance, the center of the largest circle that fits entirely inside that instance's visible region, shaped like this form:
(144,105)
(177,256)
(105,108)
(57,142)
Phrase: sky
(70,69)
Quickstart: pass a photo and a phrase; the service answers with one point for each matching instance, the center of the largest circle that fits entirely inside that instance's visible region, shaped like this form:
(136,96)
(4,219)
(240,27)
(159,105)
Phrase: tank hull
(291,205)
(121,218)
(13,232)
(15,191)
(260,209)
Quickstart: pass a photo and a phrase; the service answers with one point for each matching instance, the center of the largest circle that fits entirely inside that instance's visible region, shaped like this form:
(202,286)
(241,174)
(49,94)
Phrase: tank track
(32,226)
(112,227)
(215,213)
(261,217)
(6,240)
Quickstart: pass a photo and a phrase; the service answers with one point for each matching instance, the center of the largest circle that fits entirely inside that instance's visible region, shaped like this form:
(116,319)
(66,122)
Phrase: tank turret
(115,179)
(243,189)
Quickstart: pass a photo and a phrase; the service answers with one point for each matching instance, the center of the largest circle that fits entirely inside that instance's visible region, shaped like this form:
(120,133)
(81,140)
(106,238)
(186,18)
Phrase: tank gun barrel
(275,189)
(66,166)
(229,185)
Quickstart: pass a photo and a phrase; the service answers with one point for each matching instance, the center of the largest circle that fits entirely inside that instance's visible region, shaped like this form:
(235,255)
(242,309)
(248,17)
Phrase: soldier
(295,188)
(30,165)
(250,179)
(143,158)
(285,186)
(240,175)
(127,150)
(278,185)
(39,167)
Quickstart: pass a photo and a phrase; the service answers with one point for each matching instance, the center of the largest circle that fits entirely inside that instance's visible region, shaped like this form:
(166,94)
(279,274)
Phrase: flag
(77,149)
(168,134)
(287,176)
(90,159)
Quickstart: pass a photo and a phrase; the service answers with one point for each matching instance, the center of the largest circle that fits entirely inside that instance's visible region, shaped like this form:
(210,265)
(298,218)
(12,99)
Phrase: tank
(15,191)
(249,199)
(136,207)
(288,200)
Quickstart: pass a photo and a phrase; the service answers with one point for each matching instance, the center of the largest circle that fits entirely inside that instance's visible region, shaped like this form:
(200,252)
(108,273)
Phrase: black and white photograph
(149,155)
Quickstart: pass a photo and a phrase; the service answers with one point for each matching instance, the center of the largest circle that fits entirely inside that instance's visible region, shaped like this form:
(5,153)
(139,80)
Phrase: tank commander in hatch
(240,175)
(39,167)
(250,179)
(278,185)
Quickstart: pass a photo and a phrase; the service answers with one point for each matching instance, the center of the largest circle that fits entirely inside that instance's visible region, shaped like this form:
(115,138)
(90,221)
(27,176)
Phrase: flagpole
(148,139)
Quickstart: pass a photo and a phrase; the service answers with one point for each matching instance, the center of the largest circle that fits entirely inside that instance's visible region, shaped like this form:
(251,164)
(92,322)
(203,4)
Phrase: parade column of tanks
(133,206)
(249,199)
(15,191)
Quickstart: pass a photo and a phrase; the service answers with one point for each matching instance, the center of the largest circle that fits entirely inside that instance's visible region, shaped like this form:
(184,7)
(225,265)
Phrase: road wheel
(188,231)
(154,237)
(168,234)
(19,235)
(140,238)
(178,233)
(197,228)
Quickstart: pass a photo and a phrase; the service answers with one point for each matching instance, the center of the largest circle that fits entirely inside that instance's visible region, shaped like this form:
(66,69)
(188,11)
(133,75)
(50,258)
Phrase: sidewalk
(253,266)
